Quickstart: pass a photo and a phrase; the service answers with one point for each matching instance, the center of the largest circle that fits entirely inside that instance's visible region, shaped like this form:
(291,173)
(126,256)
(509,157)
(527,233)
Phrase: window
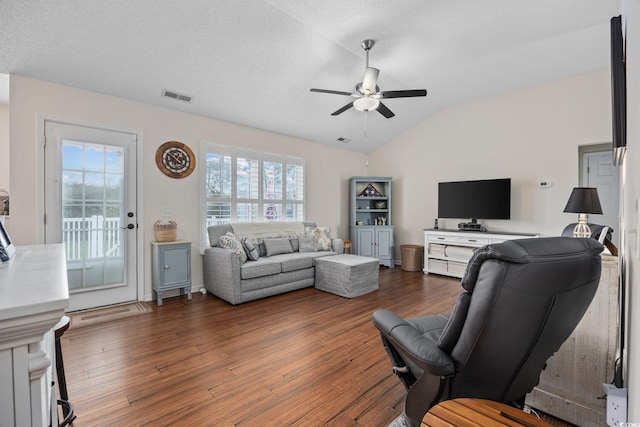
(243,185)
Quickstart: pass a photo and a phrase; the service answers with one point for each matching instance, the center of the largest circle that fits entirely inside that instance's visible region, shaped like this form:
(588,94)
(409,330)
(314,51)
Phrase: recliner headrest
(596,229)
(529,251)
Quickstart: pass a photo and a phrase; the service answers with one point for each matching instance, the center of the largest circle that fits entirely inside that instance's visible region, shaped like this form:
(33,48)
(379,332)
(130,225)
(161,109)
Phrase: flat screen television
(618,91)
(480,199)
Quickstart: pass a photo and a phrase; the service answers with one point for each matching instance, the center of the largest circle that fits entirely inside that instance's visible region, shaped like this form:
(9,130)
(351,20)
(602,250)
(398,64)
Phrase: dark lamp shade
(584,200)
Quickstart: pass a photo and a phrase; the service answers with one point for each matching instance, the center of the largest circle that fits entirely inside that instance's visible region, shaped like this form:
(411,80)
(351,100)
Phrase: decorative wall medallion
(175,159)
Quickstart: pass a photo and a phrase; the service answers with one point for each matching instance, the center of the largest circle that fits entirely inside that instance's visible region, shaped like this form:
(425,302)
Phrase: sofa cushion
(277,246)
(321,254)
(252,251)
(295,261)
(217,231)
(260,268)
(229,241)
(304,276)
(322,235)
(307,243)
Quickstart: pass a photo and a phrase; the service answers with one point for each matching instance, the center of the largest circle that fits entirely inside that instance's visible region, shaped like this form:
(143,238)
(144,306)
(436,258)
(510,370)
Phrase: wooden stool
(67,407)
(348,247)
(465,412)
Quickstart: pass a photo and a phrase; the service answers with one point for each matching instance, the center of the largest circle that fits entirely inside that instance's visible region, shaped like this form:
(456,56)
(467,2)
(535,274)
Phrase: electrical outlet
(616,407)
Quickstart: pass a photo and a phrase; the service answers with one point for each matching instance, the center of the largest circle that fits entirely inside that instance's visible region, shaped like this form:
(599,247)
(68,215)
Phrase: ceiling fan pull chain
(365,126)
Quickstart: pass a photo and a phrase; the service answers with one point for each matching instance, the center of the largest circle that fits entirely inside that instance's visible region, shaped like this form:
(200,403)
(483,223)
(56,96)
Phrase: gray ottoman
(347,275)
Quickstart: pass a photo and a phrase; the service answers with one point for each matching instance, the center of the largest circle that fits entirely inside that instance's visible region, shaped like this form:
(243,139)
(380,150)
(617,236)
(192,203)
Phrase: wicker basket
(165,232)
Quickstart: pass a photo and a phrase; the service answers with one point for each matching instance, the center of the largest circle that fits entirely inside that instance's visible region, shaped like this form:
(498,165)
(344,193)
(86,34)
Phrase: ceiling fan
(368,93)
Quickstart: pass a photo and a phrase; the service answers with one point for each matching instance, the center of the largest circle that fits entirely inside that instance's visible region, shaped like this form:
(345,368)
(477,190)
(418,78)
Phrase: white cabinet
(447,252)
(33,297)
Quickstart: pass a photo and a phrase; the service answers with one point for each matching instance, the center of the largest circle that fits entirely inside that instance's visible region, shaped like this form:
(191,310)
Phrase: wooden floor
(305,358)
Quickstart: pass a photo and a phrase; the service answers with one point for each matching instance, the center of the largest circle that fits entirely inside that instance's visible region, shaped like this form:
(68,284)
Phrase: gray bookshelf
(370,220)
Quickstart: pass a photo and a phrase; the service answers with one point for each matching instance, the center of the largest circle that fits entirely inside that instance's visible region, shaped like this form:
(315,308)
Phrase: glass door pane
(93,213)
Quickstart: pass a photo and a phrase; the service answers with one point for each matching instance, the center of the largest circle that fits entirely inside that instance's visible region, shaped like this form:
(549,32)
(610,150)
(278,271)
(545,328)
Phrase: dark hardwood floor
(305,358)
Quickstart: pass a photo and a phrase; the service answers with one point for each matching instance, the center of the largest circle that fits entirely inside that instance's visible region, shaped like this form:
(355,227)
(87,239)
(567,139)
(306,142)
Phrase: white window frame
(234,152)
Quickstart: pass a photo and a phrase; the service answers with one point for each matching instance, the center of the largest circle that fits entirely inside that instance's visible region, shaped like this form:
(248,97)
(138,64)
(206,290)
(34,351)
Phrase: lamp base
(582,228)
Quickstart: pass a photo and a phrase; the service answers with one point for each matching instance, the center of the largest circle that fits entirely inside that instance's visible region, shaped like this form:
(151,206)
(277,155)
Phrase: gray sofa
(226,277)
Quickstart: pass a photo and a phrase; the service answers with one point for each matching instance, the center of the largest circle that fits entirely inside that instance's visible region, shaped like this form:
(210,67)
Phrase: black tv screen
(618,91)
(481,199)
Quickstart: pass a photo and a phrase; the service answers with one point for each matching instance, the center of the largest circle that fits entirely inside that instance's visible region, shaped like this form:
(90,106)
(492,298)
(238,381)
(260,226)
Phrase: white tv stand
(447,252)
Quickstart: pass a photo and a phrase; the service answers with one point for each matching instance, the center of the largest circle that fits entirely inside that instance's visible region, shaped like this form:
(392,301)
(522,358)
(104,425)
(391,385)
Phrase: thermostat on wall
(544,184)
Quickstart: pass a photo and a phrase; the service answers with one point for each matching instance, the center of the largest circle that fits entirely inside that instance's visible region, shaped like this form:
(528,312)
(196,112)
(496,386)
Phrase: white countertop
(33,282)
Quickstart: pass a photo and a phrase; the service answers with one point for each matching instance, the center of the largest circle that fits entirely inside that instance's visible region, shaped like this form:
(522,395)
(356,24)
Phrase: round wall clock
(175,159)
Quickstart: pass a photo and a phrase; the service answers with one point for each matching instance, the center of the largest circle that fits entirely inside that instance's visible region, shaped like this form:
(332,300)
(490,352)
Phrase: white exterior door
(90,206)
(599,172)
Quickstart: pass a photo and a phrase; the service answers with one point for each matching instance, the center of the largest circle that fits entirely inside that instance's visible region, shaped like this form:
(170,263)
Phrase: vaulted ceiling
(252,62)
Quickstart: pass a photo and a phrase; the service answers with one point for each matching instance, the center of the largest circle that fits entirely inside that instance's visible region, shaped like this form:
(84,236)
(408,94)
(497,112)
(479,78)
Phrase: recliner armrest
(421,348)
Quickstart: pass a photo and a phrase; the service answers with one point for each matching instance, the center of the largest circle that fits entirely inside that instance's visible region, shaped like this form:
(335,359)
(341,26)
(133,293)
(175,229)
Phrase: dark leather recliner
(522,300)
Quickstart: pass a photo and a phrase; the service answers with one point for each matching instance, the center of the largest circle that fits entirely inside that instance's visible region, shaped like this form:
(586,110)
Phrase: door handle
(129,226)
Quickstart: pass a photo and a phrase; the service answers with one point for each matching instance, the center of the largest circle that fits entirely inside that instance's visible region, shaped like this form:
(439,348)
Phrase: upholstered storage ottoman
(347,275)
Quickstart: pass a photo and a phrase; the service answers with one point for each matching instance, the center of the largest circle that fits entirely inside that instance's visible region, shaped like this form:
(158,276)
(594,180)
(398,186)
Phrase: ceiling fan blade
(343,109)
(382,109)
(335,92)
(370,80)
(404,93)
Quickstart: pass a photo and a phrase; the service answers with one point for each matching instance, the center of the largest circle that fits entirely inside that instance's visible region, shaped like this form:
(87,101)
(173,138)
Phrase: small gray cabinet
(375,242)
(171,268)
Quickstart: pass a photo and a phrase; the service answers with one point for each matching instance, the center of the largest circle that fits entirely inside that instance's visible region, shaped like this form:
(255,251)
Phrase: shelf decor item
(370,191)
(165,232)
(381,205)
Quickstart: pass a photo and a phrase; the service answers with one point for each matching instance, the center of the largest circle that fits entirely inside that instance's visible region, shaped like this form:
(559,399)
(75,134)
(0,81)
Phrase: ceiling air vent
(345,140)
(175,95)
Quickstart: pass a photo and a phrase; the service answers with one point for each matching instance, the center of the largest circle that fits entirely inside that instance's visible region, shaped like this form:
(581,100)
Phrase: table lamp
(583,201)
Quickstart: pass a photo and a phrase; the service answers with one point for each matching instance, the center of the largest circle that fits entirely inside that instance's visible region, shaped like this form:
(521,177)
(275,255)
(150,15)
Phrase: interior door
(599,172)
(90,206)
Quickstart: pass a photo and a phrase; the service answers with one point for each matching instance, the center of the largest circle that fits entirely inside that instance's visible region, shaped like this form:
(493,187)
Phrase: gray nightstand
(171,267)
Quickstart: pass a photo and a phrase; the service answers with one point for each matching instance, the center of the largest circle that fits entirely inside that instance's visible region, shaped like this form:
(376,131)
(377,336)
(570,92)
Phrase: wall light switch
(167,212)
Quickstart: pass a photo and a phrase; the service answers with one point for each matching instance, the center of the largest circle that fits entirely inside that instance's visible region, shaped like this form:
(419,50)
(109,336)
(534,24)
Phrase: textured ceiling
(253,62)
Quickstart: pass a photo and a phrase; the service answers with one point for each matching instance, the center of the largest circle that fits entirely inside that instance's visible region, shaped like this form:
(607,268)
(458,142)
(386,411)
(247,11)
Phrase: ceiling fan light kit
(367,93)
(366,104)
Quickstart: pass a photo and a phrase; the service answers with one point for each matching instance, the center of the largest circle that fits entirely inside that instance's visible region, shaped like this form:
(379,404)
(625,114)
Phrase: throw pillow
(277,246)
(307,243)
(322,235)
(229,241)
(252,252)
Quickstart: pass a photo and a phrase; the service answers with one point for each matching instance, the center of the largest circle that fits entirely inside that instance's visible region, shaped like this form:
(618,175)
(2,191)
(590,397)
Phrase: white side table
(171,268)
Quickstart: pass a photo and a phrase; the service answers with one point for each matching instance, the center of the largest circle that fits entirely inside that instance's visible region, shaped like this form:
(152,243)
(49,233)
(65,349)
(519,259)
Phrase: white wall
(4,146)
(527,135)
(328,169)
(631,200)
